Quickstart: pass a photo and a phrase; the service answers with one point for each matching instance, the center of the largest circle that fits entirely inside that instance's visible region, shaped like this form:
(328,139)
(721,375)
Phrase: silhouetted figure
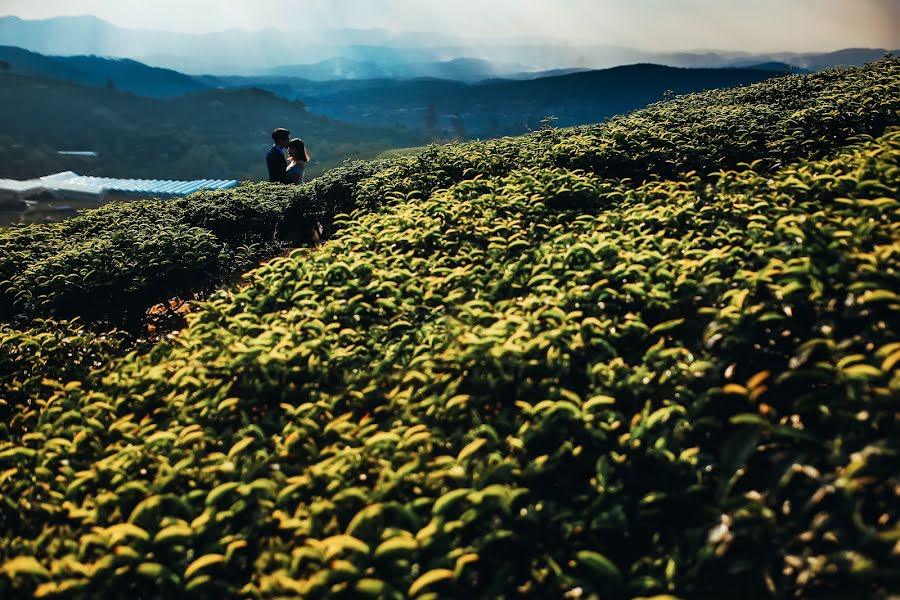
(275,160)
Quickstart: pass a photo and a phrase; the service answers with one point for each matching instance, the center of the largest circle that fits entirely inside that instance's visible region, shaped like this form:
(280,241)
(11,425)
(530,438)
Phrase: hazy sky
(752,25)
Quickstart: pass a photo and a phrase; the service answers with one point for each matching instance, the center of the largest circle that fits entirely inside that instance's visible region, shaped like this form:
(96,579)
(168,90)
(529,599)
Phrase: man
(275,160)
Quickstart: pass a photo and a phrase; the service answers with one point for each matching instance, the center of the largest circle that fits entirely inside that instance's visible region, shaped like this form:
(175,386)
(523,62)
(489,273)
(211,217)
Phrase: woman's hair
(297,150)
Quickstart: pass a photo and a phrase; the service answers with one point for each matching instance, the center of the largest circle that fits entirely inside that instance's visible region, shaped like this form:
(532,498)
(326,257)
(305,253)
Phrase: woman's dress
(295,172)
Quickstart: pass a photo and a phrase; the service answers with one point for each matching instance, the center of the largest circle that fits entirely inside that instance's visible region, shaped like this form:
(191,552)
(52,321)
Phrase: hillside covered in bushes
(657,356)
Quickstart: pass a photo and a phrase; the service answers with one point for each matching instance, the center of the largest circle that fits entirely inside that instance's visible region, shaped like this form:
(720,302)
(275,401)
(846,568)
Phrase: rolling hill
(500,107)
(652,357)
(123,74)
(210,134)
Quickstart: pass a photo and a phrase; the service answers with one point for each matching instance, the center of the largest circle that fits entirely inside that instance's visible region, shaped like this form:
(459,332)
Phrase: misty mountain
(499,106)
(226,53)
(505,107)
(777,66)
(460,69)
(545,73)
(123,74)
(825,60)
(240,52)
(465,107)
(808,62)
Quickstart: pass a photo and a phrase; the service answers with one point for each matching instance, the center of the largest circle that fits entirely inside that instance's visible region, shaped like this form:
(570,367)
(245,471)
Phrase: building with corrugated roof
(15,193)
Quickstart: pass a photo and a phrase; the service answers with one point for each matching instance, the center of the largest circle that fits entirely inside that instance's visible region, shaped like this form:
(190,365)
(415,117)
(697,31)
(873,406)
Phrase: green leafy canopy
(652,357)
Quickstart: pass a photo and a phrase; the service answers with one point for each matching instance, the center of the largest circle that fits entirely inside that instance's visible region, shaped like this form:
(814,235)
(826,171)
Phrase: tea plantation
(655,357)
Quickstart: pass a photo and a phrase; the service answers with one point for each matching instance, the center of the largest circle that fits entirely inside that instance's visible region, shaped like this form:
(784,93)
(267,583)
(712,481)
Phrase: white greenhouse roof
(85,153)
(82,184)
(14,185)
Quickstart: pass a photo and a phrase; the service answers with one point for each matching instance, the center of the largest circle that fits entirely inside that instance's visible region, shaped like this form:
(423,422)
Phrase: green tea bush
(244,216)
(331,194)
(37,361)
(544,384)
(542,381)
(112,264)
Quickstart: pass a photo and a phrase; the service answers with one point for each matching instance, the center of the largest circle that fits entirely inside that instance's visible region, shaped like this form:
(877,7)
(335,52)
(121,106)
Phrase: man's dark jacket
(277,165)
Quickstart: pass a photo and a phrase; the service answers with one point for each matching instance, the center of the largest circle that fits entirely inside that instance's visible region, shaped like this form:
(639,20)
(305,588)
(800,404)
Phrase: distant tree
(431,121)
(548,123)
(459,127)
(4,66)
(110,84)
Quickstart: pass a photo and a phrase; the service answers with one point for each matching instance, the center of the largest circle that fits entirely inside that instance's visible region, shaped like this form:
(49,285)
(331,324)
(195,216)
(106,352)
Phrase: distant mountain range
(363,54)
(507,107)
(458,69)
(453,106)
(436,108)
(779,67)
(121,73)
(144,80)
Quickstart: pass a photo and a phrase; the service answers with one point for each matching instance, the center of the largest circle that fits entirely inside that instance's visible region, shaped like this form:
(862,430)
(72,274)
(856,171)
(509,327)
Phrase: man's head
(281,137)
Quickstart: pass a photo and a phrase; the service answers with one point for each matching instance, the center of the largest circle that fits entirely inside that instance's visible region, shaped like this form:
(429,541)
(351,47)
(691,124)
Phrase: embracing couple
(280,171)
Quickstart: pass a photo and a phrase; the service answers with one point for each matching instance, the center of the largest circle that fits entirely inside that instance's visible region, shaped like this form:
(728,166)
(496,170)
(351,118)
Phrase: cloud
(655,24)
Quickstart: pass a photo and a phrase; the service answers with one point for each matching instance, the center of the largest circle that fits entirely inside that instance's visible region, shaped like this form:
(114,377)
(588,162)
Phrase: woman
(299,158)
